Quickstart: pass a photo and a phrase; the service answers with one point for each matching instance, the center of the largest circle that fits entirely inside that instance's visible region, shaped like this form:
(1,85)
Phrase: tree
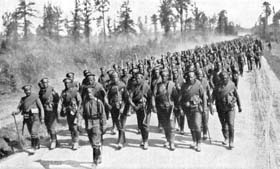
(24,12)
(87,13)
(212,22)
(10,25)
(222,22)
(267,13)
(51,21)
(181,6)
(154,20)
(275,20)
(76,26)
(165,14)
(109,27)
(126,24)
(103,7)
(141,26)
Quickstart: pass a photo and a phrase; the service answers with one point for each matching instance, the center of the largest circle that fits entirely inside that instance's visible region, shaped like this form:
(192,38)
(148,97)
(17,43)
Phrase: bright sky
(243,12)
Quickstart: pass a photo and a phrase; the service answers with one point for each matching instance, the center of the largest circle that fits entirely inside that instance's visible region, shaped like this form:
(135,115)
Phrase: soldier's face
(157,74)
(67,85)
(115,79)
(27,92)
(199,77)
(45,85)
(91,80)
(164,77)
(138,79)
(191,78)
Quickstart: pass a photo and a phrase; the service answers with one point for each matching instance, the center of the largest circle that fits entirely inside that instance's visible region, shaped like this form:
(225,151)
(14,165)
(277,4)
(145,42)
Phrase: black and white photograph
(139,84)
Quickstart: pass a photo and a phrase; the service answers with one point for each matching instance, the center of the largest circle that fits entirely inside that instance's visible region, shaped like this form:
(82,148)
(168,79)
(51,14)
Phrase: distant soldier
(258,55)
(125,76)
(70,106)
(32,111)
(140,100)
(193,103)
(225,96)
(95,122)
(116,100)
(235,76)
(165,98)
(85,72)
(49,98)
(215,77)
(103,78)
(71,76)
(241,62)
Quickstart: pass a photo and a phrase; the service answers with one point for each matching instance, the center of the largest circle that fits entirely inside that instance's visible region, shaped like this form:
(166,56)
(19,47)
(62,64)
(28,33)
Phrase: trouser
(227,121)
(180,118)
(51,123)
(258,63)
(241,68)
(194,118)
(118,119)
(143,121)
(249,64)
(95,139)
(205,119)
(164,119)
(33,125)
(73,128)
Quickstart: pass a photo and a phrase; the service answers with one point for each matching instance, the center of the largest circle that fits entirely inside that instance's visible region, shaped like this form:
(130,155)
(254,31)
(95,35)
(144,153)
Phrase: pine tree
(165,14)
(126,23)
(87,13)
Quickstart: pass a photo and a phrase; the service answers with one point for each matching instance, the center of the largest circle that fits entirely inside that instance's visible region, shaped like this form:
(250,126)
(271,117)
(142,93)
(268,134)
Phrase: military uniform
(140,99)
(165,97)
(226,96)
(116,97)
(49,98)
(32,110)
(95,122)
(69,105)
(193,101)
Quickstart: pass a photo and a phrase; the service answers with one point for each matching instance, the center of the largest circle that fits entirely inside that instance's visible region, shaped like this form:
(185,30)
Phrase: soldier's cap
(139,74)
(44,80)
(70,74)
(109,72)
(67,80)
(26,87)
(90,74)
(85,72)
(114,74)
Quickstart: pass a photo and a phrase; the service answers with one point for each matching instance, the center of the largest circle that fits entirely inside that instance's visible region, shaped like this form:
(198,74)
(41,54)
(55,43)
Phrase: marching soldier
(49,98)
(103,78)
(178,81)
(32,110)
(193,103)
(69,105)
(205,115)
(225,96)
(116,98)
(95,122)
(71,76)
(140,99)
(165,97)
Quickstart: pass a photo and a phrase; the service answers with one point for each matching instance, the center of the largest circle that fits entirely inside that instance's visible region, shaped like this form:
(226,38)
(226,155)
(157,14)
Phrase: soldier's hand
(239,109)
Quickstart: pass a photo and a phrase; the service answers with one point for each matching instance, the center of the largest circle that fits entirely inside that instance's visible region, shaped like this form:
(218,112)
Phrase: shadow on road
(74,164)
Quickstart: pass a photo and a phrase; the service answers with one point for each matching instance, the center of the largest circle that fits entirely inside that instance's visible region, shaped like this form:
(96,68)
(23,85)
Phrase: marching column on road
(186,83)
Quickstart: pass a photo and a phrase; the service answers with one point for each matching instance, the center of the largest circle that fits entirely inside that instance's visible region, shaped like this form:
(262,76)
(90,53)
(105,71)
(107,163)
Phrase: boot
(231,139)
(120,140)
(146,145)
(194,139)
(53,141)
(226,135)
(37,143)
(98,155)
(94,156)
(198,148)
(75,146)
(172,146)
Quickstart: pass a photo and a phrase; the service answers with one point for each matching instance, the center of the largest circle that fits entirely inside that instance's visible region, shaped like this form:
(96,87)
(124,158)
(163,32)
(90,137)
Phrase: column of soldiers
(174,86)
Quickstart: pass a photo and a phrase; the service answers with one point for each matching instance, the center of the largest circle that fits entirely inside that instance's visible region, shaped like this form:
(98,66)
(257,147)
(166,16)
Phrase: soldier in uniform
(140,100)
(193,103)
(205,115)
(69,105)
(165,98)
(103,78)
(95,122)
(178,81)
(49,98)
(116,97)
(225,96)
(71,76)
(32,110)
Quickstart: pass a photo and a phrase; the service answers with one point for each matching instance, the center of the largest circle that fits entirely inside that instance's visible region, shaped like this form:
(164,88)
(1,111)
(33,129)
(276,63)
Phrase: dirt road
(256,139)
